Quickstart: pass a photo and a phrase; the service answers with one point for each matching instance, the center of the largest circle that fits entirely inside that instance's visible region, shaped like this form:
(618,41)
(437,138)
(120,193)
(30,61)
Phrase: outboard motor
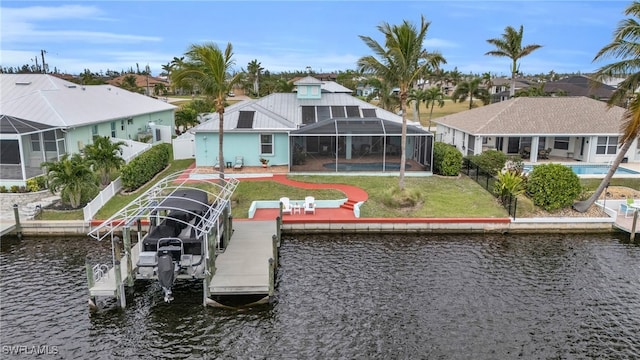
(166,275)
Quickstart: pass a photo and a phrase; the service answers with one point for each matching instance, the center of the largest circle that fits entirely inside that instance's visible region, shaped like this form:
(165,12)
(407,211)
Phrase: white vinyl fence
(98,202)
(131,148)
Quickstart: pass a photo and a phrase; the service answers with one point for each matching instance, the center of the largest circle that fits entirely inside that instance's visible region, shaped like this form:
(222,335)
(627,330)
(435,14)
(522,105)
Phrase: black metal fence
(487,181)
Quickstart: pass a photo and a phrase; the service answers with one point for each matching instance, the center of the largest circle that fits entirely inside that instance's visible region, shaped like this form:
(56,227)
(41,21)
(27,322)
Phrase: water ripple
(347,297)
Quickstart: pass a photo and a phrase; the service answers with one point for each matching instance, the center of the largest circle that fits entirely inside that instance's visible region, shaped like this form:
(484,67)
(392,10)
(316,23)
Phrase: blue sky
(291,35)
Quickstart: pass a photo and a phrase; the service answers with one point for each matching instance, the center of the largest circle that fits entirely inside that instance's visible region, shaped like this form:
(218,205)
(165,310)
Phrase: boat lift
(213,225)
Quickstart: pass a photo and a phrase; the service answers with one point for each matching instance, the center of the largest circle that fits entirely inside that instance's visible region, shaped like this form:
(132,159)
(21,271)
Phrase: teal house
(43,117)
(320,127)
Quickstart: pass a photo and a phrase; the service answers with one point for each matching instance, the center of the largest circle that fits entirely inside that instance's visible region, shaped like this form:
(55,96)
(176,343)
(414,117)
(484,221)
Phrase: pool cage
(363,144)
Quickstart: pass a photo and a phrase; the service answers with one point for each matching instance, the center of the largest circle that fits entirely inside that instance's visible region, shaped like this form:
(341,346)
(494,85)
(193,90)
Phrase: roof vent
(71,86)
(23,82)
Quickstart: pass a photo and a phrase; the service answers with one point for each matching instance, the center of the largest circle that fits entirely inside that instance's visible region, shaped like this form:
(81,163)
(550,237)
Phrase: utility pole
(44,65)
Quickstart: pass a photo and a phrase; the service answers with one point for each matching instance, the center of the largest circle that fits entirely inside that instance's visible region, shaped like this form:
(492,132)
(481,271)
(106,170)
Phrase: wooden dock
(106,285)
(243,268)
(7,227)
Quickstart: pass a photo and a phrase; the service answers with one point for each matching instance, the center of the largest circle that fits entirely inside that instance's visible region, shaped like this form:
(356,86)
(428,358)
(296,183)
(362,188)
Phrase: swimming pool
(592,169)
(390,166)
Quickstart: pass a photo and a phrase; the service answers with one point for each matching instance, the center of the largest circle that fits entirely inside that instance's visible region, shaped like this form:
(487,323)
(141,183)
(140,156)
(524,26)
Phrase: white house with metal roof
(45,117)
(313,129)
(573,128)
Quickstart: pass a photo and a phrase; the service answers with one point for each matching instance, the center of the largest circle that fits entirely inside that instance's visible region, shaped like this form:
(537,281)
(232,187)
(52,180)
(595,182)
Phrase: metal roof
(283,111)
(56,102)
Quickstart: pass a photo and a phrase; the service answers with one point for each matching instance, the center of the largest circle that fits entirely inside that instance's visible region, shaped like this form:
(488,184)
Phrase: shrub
(491,161)
(447,160)
(15,188)
(553,186)
(3,189)
(144,167)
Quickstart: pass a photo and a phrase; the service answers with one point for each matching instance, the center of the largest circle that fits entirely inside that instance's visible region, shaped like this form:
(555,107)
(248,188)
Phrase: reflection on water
(365,296)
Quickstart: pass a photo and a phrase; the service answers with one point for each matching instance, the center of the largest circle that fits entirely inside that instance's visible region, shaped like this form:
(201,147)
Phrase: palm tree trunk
(583,206)
(403,140)
(220,140)
(512,90)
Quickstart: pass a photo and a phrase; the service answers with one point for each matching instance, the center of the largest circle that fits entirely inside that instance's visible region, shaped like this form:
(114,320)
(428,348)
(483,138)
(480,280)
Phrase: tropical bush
(396,198)
(144,167)
(73,178)
(491,161)
(447,160)
(105,157)
(509,183)
(553,186)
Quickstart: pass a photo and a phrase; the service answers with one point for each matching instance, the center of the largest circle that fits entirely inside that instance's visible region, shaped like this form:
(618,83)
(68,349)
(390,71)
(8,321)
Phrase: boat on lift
(187,223)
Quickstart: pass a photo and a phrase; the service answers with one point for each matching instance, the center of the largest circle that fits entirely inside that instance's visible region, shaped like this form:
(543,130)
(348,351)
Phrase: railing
(487,181)
(98,202)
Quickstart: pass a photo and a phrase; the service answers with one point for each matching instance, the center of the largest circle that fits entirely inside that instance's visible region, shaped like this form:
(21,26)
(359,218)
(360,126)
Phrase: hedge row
(144,167)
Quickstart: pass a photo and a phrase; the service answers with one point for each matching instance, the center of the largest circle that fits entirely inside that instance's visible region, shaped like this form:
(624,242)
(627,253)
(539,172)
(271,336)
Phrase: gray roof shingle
(539,116)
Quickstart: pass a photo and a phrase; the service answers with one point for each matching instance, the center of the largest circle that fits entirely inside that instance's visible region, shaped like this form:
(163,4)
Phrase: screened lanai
(24,145)
(359,144)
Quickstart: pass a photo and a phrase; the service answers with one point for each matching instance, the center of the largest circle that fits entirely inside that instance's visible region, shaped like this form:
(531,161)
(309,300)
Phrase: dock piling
(119,285)
(126,238)
(632,235)
(16,215)
(272,279)
(90,281)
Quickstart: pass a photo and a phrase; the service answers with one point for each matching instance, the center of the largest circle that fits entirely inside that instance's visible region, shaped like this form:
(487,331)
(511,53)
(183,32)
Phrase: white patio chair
(286,205)
(309,205)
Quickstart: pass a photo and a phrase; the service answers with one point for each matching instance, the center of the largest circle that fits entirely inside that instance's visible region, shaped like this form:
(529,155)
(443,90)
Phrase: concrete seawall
(431,225)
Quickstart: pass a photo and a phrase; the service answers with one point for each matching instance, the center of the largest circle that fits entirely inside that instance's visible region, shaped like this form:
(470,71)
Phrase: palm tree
(401,61)
(626,47)
(73,177)
(386,98)
(253,74)
(469,89)
(104,156)
(510,45)
(209,68)
(434,96)
(487,82)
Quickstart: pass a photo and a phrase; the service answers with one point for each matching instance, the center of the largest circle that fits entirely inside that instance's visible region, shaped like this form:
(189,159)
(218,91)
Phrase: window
(337,112)
(308,114)
(266,144)
(245,120)
(607,145)
(122,125)
(369,112)
(561,142)
(35,142)
(323,113)
(353,111)
(94,130)
(113,129)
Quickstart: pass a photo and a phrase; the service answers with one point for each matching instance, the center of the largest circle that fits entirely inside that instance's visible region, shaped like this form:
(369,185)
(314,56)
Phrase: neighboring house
(579,85)
(499,89)
(146,83)
(45,117)
(311,130)
(572,128)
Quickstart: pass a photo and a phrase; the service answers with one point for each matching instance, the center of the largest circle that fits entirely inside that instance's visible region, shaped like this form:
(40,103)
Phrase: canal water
(345,297)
